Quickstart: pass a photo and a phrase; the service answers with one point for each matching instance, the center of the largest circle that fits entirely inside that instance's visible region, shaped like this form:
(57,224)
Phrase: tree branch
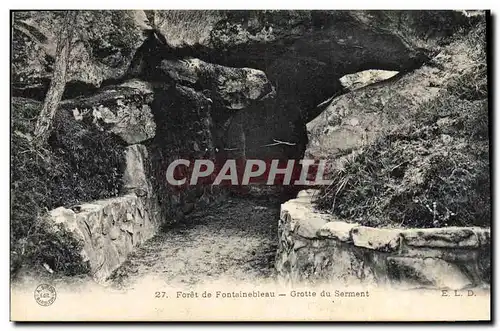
(279,142)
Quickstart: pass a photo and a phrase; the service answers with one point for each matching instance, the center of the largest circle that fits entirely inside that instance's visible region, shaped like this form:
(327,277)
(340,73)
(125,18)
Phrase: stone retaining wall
(318,248)
(111,228)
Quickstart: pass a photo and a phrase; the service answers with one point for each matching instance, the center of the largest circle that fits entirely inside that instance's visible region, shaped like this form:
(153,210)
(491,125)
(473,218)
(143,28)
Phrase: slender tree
(59,77)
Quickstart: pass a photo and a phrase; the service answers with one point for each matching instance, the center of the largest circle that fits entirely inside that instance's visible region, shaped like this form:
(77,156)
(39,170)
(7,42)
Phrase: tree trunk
(57,84)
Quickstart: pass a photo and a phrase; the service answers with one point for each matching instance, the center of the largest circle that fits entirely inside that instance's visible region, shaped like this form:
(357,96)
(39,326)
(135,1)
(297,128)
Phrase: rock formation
(219,84)
(302,53)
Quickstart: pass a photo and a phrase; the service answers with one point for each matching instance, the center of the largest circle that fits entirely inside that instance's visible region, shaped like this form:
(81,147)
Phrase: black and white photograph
(250,165)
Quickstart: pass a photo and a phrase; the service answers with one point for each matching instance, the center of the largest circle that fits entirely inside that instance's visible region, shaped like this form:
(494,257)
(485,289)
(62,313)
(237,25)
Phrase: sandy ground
(235,240)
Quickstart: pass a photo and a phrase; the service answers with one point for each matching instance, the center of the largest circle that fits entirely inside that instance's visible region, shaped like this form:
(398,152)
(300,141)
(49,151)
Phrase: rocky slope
(412,150)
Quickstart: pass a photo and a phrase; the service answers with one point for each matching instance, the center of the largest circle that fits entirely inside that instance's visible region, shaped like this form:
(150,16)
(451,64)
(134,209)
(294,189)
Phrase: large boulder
(231,88)
(122,109)
(357,118)
(103,45)
(304,53)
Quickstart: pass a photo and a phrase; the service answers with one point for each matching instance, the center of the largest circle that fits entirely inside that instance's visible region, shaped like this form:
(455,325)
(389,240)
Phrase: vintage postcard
(250,165)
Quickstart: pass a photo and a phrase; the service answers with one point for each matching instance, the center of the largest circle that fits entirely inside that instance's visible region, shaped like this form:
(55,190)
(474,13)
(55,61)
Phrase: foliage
(79,163)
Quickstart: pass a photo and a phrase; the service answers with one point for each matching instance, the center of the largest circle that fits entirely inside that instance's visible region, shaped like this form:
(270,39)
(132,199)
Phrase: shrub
(427,179)
(79,163)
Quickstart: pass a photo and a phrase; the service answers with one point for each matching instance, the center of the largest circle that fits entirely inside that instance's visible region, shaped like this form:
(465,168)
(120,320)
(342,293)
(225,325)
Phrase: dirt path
(235,240)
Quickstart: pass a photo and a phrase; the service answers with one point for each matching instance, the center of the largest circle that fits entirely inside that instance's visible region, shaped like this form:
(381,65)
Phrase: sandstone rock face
(364,78)
(337,230)
(355,119)
(104,44)
(268,26)
(303,54)
(190,136)
(122,109)
(233,88)
(306,52)
(347,254)
(378,239)
(135,175)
